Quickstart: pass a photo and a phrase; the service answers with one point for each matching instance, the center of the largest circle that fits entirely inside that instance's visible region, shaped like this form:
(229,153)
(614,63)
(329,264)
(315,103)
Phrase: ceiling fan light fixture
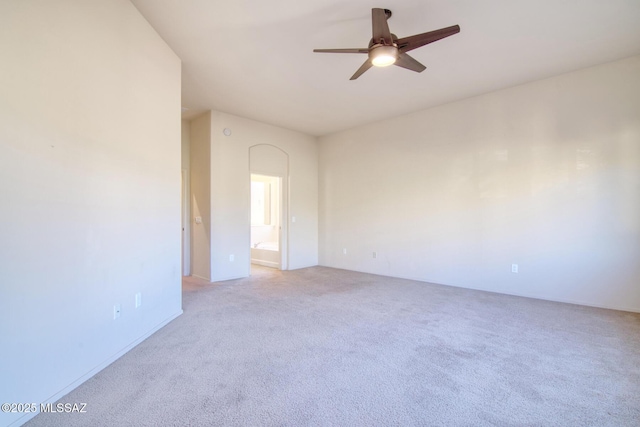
(383,56)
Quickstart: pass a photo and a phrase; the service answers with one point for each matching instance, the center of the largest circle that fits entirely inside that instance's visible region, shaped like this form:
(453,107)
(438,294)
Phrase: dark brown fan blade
(363,50)
(364,67)
(406,44)
(381,33)
(405,61)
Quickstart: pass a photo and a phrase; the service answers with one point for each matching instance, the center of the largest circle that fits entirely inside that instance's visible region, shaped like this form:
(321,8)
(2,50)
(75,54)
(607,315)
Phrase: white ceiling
(254,58)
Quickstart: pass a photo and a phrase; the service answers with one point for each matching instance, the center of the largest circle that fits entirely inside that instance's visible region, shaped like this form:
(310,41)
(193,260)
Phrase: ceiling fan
(386,49)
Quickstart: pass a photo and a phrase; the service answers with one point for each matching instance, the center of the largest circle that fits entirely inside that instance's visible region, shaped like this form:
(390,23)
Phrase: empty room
(323,213)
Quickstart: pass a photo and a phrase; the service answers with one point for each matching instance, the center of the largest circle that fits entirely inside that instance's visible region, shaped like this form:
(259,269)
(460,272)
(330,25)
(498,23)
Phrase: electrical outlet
(514,268)
(375,255)
(344,251)
(116,311)
(138,299)
(232,258)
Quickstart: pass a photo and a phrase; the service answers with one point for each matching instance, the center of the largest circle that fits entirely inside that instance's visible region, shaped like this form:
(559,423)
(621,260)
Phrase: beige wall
(185,127)
(89,190)
(545,175)
(230,193)
(200,173)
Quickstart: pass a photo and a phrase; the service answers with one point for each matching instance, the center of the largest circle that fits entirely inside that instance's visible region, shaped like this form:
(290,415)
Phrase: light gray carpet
(327,347)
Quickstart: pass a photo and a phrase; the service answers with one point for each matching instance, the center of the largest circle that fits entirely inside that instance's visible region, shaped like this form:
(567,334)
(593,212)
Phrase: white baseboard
(265,263)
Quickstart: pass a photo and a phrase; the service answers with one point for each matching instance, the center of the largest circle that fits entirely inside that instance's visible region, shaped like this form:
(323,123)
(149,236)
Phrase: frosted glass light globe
(383,56)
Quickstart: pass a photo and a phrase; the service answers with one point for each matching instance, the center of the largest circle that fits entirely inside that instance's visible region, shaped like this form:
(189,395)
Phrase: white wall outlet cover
(232,258)
(138,299)
(116,311)
(198,220)
(514,268)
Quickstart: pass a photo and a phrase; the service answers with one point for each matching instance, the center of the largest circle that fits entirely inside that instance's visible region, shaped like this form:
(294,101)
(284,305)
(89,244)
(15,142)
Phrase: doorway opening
(269,226)
(186,228)
(266,220)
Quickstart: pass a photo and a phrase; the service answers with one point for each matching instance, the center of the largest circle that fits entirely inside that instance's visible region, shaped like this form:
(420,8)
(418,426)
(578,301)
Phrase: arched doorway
(269,175)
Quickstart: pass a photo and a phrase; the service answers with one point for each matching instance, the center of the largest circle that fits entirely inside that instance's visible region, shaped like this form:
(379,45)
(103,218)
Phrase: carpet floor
(327,347)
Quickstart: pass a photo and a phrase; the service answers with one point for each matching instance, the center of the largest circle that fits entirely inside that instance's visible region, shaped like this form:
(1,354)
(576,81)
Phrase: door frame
(186,224)
(284,205)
